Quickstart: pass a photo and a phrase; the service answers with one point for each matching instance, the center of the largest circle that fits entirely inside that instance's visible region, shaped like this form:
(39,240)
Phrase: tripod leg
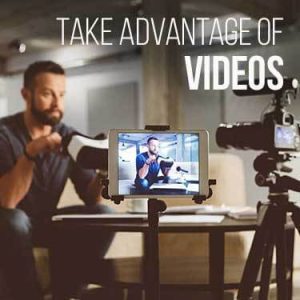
(281,263)
(256,253)
(266,269)
(295,215)
(290,245)
(290,236)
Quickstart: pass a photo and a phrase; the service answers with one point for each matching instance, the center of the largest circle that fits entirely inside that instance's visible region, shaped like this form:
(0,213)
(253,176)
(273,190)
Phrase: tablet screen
(158,163)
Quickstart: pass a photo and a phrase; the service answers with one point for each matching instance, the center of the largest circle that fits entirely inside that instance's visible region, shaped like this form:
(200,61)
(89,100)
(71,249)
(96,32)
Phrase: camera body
(277,131)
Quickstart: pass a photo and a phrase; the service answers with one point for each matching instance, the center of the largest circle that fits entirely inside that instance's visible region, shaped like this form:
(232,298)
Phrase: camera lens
(244,136)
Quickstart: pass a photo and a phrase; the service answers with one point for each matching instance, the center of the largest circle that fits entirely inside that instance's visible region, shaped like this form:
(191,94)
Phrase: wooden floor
(229,295)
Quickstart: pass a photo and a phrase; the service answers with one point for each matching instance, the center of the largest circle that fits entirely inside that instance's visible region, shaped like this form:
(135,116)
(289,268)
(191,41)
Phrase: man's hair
(152,138)
(41,67)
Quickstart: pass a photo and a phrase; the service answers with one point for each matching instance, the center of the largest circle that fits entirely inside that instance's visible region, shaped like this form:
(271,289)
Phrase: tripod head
(268,165)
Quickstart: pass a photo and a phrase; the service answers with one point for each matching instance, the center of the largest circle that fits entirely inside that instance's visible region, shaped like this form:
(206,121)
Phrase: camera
(277,131)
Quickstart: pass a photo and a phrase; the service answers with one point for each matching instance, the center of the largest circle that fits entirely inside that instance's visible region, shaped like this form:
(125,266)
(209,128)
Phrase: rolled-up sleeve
(140,161)
(6,155)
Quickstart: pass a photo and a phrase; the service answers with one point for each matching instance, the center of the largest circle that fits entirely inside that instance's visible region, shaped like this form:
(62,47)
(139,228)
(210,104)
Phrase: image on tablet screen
(158,163)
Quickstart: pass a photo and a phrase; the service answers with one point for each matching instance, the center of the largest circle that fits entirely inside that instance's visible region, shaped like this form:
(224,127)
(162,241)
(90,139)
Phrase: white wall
(84,79)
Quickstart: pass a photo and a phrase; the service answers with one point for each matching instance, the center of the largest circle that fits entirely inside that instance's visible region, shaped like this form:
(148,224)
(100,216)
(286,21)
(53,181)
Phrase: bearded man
(33,173)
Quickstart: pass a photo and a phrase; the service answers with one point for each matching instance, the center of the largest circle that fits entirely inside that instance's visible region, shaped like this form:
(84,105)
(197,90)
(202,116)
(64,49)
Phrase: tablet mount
(155,207)
(117,199)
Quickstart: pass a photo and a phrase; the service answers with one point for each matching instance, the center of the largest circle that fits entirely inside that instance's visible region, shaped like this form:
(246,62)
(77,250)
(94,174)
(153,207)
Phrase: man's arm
(166,171)
(143,166)
(14,184)
(165,165)
(143,171)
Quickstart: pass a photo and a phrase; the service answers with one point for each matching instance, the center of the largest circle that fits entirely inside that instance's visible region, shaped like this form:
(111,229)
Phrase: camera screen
(285,137)
(158,163)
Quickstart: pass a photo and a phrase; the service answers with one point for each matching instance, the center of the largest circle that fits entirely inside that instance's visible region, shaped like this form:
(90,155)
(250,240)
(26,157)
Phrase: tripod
(271,234)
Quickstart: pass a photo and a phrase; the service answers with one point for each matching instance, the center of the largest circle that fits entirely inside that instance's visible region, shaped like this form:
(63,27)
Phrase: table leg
(134,294)
(216,264)
(65,276)
(58,278)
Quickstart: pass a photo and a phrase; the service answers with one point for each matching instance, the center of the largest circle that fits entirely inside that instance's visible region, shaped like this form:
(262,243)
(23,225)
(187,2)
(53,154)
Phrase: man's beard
(44,116)
(153,153)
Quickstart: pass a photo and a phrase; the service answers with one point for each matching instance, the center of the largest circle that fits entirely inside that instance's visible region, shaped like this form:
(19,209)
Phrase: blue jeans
(142,185)
(19,234)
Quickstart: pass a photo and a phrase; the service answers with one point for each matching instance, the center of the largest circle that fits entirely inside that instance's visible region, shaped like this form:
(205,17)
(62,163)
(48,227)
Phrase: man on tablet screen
(148,165)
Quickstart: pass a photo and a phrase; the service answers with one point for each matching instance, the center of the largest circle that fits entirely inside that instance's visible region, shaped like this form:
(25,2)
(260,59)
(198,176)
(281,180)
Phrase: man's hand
(151,159)
(49,143)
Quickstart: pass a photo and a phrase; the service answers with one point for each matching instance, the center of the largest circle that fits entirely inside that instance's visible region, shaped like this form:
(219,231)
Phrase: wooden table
(185,272)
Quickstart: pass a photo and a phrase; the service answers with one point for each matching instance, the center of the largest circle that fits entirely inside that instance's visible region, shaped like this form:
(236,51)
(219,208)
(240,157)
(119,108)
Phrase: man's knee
(166,179)
(142,184)
(14,222)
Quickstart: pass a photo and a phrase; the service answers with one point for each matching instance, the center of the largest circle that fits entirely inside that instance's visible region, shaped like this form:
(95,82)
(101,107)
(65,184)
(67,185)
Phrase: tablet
(158,163)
